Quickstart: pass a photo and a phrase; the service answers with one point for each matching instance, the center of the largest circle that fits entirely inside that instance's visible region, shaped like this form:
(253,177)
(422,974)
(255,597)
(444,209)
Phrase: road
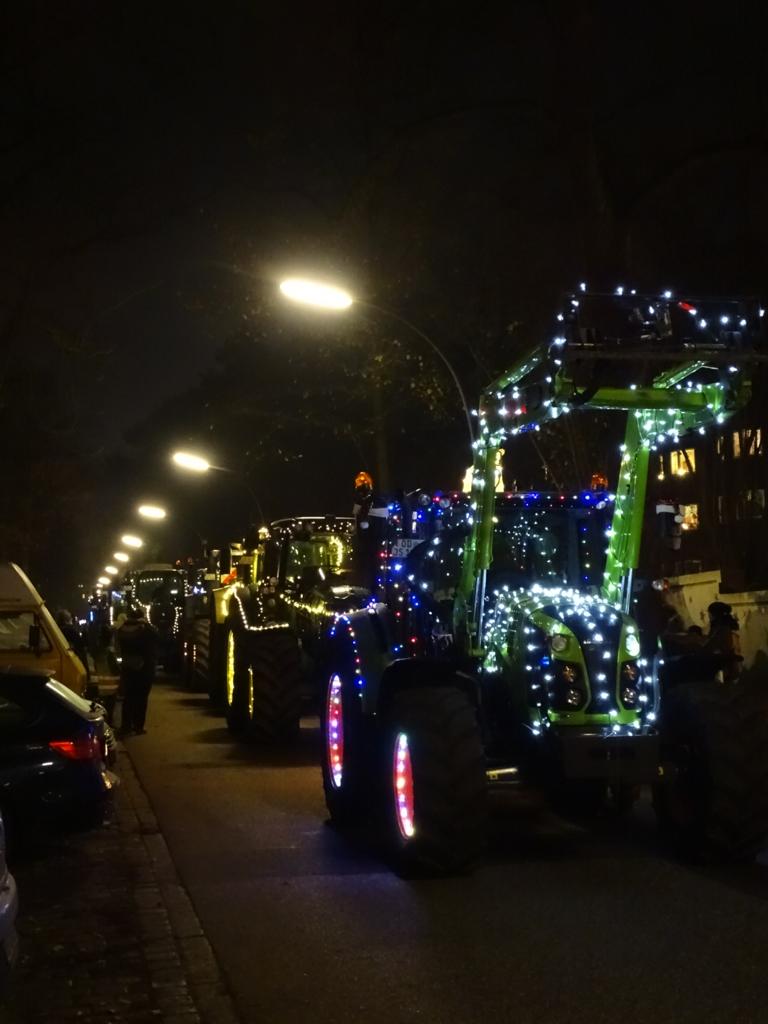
(563,923)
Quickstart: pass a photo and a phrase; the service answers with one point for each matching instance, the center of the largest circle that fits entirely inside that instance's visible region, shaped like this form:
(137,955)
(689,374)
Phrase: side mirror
(34,638)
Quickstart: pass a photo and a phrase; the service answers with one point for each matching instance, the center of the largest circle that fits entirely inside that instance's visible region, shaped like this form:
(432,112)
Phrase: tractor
(499,642)
(262,640)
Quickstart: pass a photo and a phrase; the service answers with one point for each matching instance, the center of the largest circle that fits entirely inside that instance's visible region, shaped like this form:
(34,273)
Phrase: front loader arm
(640,332)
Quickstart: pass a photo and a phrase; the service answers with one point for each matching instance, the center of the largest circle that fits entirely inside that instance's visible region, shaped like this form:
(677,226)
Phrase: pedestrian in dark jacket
(723,640)
(137,641)
(73,636)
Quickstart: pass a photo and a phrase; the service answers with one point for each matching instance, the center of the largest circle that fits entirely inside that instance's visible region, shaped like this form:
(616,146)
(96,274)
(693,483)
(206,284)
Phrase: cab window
(324,551)
(15,632)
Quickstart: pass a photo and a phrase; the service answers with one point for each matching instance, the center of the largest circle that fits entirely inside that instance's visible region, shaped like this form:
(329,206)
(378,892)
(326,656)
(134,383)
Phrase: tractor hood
(580,655)
(344,597)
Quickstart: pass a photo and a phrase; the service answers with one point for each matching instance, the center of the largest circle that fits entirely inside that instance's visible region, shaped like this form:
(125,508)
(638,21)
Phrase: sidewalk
(107,931)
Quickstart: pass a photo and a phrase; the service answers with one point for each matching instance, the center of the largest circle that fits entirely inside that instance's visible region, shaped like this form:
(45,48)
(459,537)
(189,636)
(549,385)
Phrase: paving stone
(108,934)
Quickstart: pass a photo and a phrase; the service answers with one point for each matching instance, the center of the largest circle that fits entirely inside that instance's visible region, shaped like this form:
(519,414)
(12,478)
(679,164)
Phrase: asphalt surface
(562,923)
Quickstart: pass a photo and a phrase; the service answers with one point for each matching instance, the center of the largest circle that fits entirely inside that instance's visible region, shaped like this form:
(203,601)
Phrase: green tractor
(499,644)
(260,633)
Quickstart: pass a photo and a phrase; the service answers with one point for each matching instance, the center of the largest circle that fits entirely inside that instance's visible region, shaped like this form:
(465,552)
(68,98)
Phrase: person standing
(74,638)
(723,640)
(137,642)
(370,512)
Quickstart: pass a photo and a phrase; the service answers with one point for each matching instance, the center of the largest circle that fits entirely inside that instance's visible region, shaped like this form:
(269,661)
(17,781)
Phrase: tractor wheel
(435,778)
(714,804)
(236,680)
(348,760)
(190,669)
(273,688)
(217,665)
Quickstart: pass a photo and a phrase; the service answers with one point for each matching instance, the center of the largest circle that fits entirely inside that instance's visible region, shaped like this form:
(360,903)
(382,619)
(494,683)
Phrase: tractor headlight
(629,684)
(558,642)
(632,644)
(566,690)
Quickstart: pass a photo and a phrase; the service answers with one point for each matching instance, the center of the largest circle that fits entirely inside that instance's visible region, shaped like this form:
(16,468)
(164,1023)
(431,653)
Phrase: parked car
(9,906)
(56,754)
(29,636)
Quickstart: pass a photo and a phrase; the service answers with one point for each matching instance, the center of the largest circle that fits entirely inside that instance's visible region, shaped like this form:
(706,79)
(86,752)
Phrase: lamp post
(330,297)
(194,463)
(158,513)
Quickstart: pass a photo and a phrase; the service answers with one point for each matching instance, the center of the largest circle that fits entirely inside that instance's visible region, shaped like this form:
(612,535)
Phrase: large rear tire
(348,760)
(273,688)
(714,806)
(434,771)
(236,680)
(217,665)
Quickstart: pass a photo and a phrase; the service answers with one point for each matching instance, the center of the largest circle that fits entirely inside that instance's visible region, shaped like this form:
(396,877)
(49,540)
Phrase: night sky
(162,167)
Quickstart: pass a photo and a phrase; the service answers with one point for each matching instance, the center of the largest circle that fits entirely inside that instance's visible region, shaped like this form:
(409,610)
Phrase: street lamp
(111,569)
(313,293)
(158,513)
(104,580)
(326,296)
(151,511)
(197,464)
(194,463)
(120,556)
(130,541)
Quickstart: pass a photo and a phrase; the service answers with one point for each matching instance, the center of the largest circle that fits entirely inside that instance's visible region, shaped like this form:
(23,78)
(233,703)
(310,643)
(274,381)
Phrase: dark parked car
(56,750)
(9,906)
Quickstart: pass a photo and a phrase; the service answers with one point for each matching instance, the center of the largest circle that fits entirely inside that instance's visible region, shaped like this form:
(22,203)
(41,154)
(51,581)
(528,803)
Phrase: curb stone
(198,972)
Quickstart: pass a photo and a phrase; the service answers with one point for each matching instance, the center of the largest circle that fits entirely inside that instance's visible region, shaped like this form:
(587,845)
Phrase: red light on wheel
(402,778)
(335,731)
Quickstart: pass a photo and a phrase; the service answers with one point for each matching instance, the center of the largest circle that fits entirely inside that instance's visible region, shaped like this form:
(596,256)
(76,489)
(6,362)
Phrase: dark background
(161,167)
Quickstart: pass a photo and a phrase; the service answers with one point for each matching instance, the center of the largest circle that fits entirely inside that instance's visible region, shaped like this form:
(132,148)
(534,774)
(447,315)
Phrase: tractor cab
(550,539)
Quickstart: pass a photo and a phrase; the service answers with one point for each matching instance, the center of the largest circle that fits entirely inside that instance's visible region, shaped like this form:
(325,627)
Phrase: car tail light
(82,748)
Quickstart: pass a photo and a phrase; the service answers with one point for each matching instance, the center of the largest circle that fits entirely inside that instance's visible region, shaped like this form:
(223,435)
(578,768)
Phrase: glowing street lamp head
(187,460)
(104,580)
(120,556)
(313,293)
(130,541)
(151,512)
(111,569)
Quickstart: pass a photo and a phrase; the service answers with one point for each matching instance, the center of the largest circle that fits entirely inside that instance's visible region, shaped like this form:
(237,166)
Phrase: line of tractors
(451,642)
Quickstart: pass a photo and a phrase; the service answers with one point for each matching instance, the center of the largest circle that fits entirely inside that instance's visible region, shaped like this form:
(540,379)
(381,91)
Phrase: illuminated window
(690,514)
(747,442)
(682,462)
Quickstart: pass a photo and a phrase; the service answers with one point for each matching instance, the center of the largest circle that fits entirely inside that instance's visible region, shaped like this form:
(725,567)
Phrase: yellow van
(29,636)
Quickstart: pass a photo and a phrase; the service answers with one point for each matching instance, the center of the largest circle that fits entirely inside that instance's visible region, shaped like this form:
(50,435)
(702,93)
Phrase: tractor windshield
(552,546)
(160,587)
(327,551)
